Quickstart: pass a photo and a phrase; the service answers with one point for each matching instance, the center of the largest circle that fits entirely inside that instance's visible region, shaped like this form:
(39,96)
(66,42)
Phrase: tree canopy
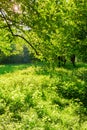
(50,27)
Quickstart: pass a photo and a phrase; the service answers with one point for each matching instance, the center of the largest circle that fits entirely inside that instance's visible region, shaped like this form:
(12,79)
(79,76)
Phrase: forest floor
(36,97)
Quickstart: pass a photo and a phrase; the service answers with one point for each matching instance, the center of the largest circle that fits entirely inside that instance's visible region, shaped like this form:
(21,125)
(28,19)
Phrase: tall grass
(34,97)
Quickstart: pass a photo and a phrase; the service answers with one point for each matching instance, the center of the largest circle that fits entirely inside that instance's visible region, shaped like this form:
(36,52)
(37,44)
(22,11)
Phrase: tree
(51,27)
(81,22)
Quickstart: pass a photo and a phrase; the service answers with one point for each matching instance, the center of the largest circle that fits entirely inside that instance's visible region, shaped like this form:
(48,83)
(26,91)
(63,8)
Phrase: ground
(38,97)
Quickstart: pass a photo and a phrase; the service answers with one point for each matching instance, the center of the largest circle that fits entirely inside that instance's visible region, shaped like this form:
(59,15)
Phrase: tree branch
(16,35)
(5,26)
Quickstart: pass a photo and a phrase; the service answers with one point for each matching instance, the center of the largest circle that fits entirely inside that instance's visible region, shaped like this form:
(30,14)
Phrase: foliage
(36,97)
(15,52)
(51,28)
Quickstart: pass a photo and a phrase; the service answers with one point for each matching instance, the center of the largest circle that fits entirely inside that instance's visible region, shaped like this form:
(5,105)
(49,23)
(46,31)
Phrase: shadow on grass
(77,66)
(74,85)
(72,81)
(43,68)
(9,68)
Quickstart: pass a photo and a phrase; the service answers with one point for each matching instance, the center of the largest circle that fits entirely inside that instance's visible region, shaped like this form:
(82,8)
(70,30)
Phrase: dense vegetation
(35,97)
(50,27)
(41,95)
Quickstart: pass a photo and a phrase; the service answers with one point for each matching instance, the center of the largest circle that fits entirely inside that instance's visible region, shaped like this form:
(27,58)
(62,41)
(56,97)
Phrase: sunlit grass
(33,97)
(11,68)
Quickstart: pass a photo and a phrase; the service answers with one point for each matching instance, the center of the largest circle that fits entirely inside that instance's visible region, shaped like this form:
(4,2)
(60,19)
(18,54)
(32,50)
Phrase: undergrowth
(34,97)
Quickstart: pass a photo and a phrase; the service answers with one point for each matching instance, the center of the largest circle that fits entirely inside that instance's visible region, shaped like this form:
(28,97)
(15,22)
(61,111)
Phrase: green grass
(35,97)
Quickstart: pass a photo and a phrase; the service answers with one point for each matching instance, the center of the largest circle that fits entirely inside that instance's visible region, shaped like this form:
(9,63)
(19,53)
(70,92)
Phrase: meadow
(37,97)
